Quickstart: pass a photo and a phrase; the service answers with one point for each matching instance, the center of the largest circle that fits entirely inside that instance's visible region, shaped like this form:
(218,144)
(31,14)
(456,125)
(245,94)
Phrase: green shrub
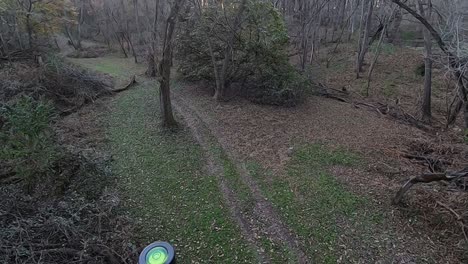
(28,148)
(259,57)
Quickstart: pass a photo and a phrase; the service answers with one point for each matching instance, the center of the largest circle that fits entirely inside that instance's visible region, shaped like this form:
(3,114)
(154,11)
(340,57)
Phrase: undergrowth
(57,204)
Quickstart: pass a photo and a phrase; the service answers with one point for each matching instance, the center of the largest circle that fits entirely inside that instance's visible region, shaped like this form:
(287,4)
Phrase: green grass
(385,48)
(408,36)
(164,184)
(165,187)
(117,67)
(276,252)
(389,89)
(160,175)
(311,201)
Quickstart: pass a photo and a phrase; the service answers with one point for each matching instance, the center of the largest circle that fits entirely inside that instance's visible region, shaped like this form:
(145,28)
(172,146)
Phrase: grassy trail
(162,178)
(260,218)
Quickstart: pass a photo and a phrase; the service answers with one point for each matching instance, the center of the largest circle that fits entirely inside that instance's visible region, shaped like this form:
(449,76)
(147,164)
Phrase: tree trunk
(219,93)
(365,39)
(120,40)
(28,24)
(168,119)
(371,68)
(4,47)
(132,48)
(394,31)
(137,22)
(17,33)
(80,21)
(465,118)
(426,104)
(152,70)
(454,63)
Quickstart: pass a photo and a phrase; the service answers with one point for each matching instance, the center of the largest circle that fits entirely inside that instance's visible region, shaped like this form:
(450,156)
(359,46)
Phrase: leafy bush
(27,141)
(259,56)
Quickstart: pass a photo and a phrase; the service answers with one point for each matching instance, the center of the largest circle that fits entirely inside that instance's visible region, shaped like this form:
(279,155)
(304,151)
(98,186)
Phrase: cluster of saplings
(241,50)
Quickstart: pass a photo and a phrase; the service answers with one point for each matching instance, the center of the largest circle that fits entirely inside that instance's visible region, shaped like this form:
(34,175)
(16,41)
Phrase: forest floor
(240,182)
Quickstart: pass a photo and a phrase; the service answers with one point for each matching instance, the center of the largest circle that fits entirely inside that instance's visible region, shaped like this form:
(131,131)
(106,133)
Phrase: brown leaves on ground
(268,135)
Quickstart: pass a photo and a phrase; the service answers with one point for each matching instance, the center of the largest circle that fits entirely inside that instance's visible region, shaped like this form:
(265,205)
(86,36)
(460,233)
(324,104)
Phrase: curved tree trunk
(168,119)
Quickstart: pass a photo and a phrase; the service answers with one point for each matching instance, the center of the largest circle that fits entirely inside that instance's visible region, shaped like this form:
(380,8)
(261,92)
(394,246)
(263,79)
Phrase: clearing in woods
(242,183)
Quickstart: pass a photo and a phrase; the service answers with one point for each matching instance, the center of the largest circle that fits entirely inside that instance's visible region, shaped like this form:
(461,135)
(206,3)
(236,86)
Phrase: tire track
(265,219)
(214,166)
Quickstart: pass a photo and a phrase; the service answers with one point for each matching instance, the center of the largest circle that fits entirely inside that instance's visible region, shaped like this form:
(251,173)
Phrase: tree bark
(376,57)
(426,104)
(152,60)
(4,46)
(80,21)
(28,24)
(365,41)
(168,119)
(137,22)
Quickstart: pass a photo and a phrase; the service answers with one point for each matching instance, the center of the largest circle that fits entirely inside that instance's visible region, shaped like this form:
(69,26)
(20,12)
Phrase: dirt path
(214,167)
(265,221)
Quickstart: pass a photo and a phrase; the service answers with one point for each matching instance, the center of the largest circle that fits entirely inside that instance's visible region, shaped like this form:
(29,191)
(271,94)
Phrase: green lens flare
(157,255)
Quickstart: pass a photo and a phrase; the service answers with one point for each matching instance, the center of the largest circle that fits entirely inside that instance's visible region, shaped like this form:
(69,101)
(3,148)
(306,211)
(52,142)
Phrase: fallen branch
(458,217)
(327,92)
(427,178)
(126,87)
(396,112)
(368,105)
(434,164)
(10,180)
(66,251)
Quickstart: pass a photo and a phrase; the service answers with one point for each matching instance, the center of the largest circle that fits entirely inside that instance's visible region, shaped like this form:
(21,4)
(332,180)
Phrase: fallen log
(131,83)
(331,93)
(427,178)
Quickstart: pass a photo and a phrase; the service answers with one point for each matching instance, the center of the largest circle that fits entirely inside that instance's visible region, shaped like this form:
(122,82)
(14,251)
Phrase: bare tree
(152,53)
(165,65)
(456,64)
(364,38)
(426,104)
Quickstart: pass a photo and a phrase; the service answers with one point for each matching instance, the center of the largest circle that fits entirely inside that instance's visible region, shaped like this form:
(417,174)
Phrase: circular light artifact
(157,253)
